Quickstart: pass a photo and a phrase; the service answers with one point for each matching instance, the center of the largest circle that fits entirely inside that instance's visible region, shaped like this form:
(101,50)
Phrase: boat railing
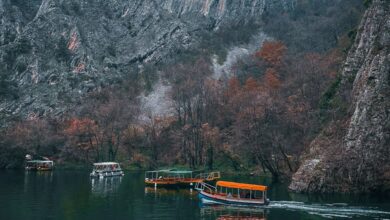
(209,176)
(214,175)
(165,178)
(202,186)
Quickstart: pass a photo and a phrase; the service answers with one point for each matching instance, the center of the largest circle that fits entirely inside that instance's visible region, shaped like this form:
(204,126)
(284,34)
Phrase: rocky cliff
(352,153)
(58,50)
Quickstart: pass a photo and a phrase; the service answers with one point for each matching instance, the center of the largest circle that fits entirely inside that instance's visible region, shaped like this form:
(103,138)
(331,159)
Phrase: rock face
(58,50)
(352,154)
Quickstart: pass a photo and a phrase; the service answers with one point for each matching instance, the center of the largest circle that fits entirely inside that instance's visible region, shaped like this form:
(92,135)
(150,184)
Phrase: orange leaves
(271,78)
(247,101)
(252,87)
(163,122)
(251,84)
(272,52)
(233,86)
(77,126)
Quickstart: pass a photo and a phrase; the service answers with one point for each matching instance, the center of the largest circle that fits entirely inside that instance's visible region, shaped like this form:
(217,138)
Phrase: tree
(271,79)
(272,52)
(234,86)
(196,100)
(211,138)
(35,136)
(251,85)
(83,138)
(104,120)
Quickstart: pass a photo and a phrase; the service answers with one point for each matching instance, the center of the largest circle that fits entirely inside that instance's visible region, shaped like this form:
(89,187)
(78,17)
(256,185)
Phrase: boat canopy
(180,172)
(40,161)
(172,171)
(241,186)
(105,164)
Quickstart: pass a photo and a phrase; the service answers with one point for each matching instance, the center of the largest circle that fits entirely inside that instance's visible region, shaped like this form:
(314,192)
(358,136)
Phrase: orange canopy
(241,186)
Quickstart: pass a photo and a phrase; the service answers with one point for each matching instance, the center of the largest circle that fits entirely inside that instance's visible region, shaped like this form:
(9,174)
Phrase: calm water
(73,195)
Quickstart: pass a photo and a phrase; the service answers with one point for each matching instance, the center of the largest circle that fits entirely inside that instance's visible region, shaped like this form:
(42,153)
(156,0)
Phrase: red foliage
(272,52)
(251,84)
(77,126)
(271,78)
(234,85)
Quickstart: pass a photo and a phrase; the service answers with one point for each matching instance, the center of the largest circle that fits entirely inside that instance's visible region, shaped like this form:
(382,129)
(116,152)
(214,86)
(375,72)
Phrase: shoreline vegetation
(130,167)
(259,116)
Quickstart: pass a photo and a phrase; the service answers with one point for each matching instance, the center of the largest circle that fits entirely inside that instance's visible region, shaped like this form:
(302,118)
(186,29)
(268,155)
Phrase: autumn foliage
(259,116)
(271,78)
(272,52)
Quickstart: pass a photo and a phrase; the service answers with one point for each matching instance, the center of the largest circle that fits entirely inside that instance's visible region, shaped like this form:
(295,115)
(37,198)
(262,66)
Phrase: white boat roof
(39,161)
(105,163)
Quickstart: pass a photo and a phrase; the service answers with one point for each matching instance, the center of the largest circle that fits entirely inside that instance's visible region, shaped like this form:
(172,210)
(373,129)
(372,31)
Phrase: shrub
(367,3)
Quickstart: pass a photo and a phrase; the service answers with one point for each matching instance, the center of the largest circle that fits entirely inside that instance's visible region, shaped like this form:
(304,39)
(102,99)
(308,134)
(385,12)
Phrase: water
(73,195)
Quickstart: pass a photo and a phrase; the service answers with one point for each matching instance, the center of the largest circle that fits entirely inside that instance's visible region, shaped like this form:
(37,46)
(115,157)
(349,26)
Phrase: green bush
(367,3)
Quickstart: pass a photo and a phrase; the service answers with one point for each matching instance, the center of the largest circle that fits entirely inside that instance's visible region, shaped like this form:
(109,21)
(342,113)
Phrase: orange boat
(178,178)
(232,193)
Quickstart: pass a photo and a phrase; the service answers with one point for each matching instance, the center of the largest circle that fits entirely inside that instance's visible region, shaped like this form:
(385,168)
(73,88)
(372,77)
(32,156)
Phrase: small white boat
(106,169)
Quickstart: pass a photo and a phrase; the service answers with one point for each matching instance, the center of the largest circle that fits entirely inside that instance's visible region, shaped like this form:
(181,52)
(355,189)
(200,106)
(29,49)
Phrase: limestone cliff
(352,154)
(58,50)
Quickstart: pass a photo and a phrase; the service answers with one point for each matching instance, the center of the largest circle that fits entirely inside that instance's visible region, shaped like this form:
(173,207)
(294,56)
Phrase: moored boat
(232,193)
(178,178)
(106,169)
(39,165)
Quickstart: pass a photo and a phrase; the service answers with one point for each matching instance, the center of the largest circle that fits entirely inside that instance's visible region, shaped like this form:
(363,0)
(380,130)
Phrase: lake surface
(73,195)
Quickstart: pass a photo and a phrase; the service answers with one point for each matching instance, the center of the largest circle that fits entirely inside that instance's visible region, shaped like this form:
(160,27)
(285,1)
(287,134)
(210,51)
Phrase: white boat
(106,169)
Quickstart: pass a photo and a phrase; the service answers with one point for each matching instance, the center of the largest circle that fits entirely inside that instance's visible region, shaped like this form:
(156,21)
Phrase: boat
(39,165)
(178,178)
(232,193)
(106,169)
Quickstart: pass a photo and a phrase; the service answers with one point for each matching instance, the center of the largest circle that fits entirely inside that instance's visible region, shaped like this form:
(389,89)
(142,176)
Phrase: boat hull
(170,184)
(210,199)
(44,169)
(177,183)
(38,169)
(106,174)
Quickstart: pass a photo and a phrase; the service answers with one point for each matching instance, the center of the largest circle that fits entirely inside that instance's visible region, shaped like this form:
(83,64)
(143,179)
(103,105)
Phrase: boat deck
(178,179)
(234,198)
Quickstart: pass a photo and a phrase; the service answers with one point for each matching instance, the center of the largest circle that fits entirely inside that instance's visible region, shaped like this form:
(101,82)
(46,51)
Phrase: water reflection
(73,195)
(162,192)
(37,179)
(230,213)
(105,186)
